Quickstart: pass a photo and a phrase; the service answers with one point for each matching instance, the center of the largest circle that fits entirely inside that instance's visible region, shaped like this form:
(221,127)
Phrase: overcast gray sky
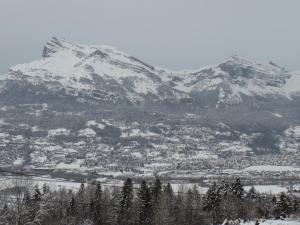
(176,34)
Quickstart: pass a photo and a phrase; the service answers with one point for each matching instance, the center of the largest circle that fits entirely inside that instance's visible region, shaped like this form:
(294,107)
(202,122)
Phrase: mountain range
(95,108)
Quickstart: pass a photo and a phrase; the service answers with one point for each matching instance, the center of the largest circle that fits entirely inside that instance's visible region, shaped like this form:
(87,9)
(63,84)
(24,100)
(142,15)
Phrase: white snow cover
(74,66)
(70,64)
(273,189)
(58,131)
(277,115)
(293,131)
(292,85)
(87,132)
(267,79)
(18,162)
(270,168)
(274,222)
(94,123)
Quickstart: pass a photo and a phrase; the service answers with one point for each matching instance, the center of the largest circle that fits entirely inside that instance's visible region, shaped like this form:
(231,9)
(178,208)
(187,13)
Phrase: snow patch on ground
(87,132)
(58,131)
(94,123)
(18,162)
(277,115)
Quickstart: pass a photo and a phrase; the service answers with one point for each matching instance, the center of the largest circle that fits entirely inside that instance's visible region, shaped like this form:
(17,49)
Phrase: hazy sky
(176,34)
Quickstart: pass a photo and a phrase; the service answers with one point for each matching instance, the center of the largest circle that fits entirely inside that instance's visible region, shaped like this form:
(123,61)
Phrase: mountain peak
(236,60)
(52,46)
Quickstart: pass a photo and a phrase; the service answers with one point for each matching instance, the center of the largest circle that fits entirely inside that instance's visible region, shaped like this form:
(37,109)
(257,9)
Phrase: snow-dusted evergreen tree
(125,211)
(164,213)
(37,195)
(251,194)
(97,206)
(224,189)
(281,207)
(156,191)
(145,210)
(238,189)
(156,196)
(212,201)
(193,207)
(47,213)
(32,204)
(177,210)
(189,208)
(45,189)
(82,206)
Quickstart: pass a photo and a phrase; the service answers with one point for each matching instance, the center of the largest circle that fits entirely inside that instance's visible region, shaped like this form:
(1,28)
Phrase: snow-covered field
(54,184)
(268,189)
(57,183)
(271,168)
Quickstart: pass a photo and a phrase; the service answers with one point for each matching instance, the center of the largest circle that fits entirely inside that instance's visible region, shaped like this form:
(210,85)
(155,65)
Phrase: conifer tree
(238,189)
(281,206)
(177,211)
(165,213)
(97,209)
(168,190)
(189,206)
(224,189)
(156,195)
(125,212)
(238,193)
(30,208)
(212,201)
(144,202)
(251,194)
(156,191)
(45,189)
(37,195)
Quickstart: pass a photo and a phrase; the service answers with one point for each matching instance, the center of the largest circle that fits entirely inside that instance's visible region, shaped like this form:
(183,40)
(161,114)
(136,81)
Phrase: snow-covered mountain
(110,75)
(235,78)
(99,71)
(95,108)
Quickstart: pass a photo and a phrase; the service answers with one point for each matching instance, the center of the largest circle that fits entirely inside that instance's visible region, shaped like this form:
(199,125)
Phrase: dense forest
(152,203)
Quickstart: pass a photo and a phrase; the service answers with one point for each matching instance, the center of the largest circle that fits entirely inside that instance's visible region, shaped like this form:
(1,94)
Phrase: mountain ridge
(82,67)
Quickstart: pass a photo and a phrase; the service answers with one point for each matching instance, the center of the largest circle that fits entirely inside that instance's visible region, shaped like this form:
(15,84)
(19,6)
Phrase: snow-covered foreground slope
(274,222)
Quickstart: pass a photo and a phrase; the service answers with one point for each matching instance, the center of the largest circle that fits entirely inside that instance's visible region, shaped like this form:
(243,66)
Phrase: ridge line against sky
(172,34)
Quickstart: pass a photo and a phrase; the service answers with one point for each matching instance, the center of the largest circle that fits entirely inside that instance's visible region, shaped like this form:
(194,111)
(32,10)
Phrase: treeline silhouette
(153,203)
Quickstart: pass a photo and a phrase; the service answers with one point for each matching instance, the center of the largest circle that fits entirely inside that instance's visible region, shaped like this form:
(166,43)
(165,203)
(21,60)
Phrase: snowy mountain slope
(113,76)
(236,78)
(292,86)
(98,70)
